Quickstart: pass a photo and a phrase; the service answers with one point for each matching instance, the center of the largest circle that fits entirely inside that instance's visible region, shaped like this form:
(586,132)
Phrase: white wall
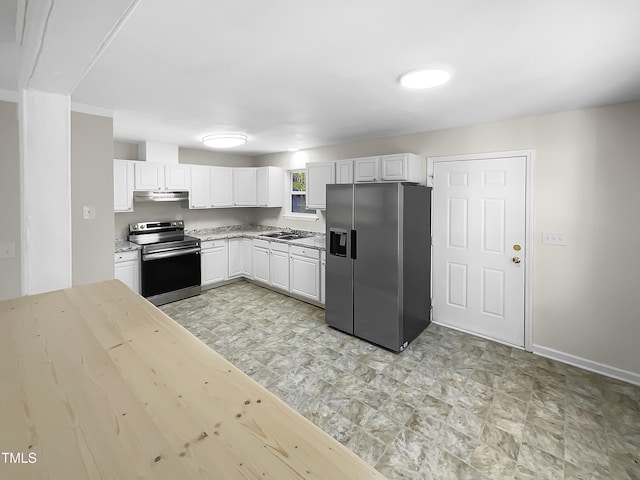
(45,191)
(585,185)
(92,185)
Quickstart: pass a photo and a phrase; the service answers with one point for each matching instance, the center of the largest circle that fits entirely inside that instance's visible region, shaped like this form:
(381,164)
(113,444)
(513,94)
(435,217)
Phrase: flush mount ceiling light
(424,78)
(224,140)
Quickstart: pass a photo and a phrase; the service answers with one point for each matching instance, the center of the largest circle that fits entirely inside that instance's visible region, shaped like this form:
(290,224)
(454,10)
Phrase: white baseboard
(602,369)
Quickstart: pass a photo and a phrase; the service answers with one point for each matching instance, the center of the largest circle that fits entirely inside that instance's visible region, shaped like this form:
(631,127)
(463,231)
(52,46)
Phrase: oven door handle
(172,253)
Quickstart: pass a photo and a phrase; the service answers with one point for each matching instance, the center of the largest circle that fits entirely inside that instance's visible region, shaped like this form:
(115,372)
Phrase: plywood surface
(97,383)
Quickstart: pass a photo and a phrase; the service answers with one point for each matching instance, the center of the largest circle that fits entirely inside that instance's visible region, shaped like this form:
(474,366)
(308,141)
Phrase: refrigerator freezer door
(339,268)
(376,270)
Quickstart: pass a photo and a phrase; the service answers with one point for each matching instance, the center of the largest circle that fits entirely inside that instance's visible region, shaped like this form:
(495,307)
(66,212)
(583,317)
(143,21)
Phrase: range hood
(159,153)
(162,196)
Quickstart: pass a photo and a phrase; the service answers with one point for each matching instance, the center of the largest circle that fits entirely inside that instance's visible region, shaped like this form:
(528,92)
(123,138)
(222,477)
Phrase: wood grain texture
(100,384)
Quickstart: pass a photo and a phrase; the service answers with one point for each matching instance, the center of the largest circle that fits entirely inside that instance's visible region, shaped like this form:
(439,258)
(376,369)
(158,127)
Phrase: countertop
(125,246)
(317,240)
(99,383)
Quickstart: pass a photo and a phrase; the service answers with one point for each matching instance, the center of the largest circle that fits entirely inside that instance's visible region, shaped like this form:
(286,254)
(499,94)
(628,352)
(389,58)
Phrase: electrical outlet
(554,238)
(7,250)
(89,212)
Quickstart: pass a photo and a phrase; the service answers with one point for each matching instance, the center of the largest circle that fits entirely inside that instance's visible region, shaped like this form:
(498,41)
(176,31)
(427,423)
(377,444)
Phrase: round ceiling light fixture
(224,140)
(424,78)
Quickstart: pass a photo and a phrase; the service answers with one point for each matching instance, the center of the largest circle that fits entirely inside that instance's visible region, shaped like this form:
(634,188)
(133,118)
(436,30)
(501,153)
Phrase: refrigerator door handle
(354,242)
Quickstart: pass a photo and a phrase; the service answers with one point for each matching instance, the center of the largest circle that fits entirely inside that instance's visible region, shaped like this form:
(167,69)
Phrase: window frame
(289,192)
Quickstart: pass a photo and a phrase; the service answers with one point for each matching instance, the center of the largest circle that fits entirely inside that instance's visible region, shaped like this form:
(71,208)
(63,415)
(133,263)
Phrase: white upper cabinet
(366,169)
(221,187)
(176,177)
(404,167)
(245,192)
(344,171)
(401,167)
(122,186)
(160,176)
(149,176)
(319,175)
(200,192)
(270,187)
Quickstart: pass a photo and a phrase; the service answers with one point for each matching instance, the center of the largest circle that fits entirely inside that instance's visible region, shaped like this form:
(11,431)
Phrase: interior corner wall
(92,186)
(586,171)
(10,268)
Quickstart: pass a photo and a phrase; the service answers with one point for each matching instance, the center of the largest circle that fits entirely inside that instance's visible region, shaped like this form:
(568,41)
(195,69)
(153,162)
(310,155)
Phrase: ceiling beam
(62,40)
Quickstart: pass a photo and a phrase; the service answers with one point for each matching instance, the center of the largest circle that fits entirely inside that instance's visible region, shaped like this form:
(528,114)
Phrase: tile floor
(451,406)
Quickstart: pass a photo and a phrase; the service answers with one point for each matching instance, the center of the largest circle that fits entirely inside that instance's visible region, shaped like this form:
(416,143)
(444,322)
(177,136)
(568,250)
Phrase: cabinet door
(214,263)
(305,276)
(365,169)
(149,176)
(200,191)
(323,265)
(344,171)
(245,187)
(261,264)
(280,269)
(270,187)
(222,187)
(129,274)
(247,253)
(394,168)
(236,257)
(318,176)
(176,177)
(122,186)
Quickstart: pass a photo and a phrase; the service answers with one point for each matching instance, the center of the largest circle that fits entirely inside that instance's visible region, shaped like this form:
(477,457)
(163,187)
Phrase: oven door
(165,272)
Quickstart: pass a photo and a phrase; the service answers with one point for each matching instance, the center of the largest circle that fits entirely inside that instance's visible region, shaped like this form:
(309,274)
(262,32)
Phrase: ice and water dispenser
(338,242)
(338,239)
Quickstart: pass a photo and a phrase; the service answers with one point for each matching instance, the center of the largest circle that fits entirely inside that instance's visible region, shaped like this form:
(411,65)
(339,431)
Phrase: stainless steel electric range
(170,268)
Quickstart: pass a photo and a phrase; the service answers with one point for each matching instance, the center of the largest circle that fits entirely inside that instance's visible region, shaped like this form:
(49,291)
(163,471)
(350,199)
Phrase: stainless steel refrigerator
(379,261)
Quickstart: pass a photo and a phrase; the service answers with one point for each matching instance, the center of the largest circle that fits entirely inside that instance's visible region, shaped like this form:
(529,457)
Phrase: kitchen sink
(286,235)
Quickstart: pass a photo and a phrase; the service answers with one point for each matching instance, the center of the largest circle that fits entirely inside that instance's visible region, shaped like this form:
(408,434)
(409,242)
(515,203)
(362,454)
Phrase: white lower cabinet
(236,257)
(214,259)
(279,265)
(323,275)
(247,249)
(127,269)
(304,272)
(295,269)
(261,264)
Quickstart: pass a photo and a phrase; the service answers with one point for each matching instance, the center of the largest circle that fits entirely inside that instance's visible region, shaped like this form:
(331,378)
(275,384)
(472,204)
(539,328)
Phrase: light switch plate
(554,238)
(7,250)
(89,212)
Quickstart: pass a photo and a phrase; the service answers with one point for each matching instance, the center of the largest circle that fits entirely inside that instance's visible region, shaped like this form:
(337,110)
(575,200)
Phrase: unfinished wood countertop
(97,383)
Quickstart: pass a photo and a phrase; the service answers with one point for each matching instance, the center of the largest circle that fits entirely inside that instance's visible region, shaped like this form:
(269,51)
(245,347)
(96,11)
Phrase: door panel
(339,269)
(479,215)
(376,267)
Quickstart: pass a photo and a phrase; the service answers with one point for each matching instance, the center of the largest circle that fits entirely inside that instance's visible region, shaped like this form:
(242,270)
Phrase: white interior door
(479,248)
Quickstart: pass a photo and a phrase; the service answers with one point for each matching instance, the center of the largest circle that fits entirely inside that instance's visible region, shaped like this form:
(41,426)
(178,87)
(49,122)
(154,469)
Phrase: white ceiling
(299,74)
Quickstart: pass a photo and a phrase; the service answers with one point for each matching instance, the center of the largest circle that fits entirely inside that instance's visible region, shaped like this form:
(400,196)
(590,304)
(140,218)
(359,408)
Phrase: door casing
(529,159)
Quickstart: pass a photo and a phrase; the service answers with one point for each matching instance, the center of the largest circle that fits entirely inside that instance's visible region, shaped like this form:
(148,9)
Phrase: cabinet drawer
(261,243)
(279,247)
(126,256)
(213,243)
(305,252)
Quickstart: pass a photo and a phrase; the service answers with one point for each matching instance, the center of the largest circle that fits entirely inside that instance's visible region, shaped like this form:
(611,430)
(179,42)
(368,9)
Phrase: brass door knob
(516,260)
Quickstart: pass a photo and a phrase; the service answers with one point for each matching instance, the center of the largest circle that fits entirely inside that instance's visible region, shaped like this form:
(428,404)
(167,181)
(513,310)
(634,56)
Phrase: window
(297,195)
